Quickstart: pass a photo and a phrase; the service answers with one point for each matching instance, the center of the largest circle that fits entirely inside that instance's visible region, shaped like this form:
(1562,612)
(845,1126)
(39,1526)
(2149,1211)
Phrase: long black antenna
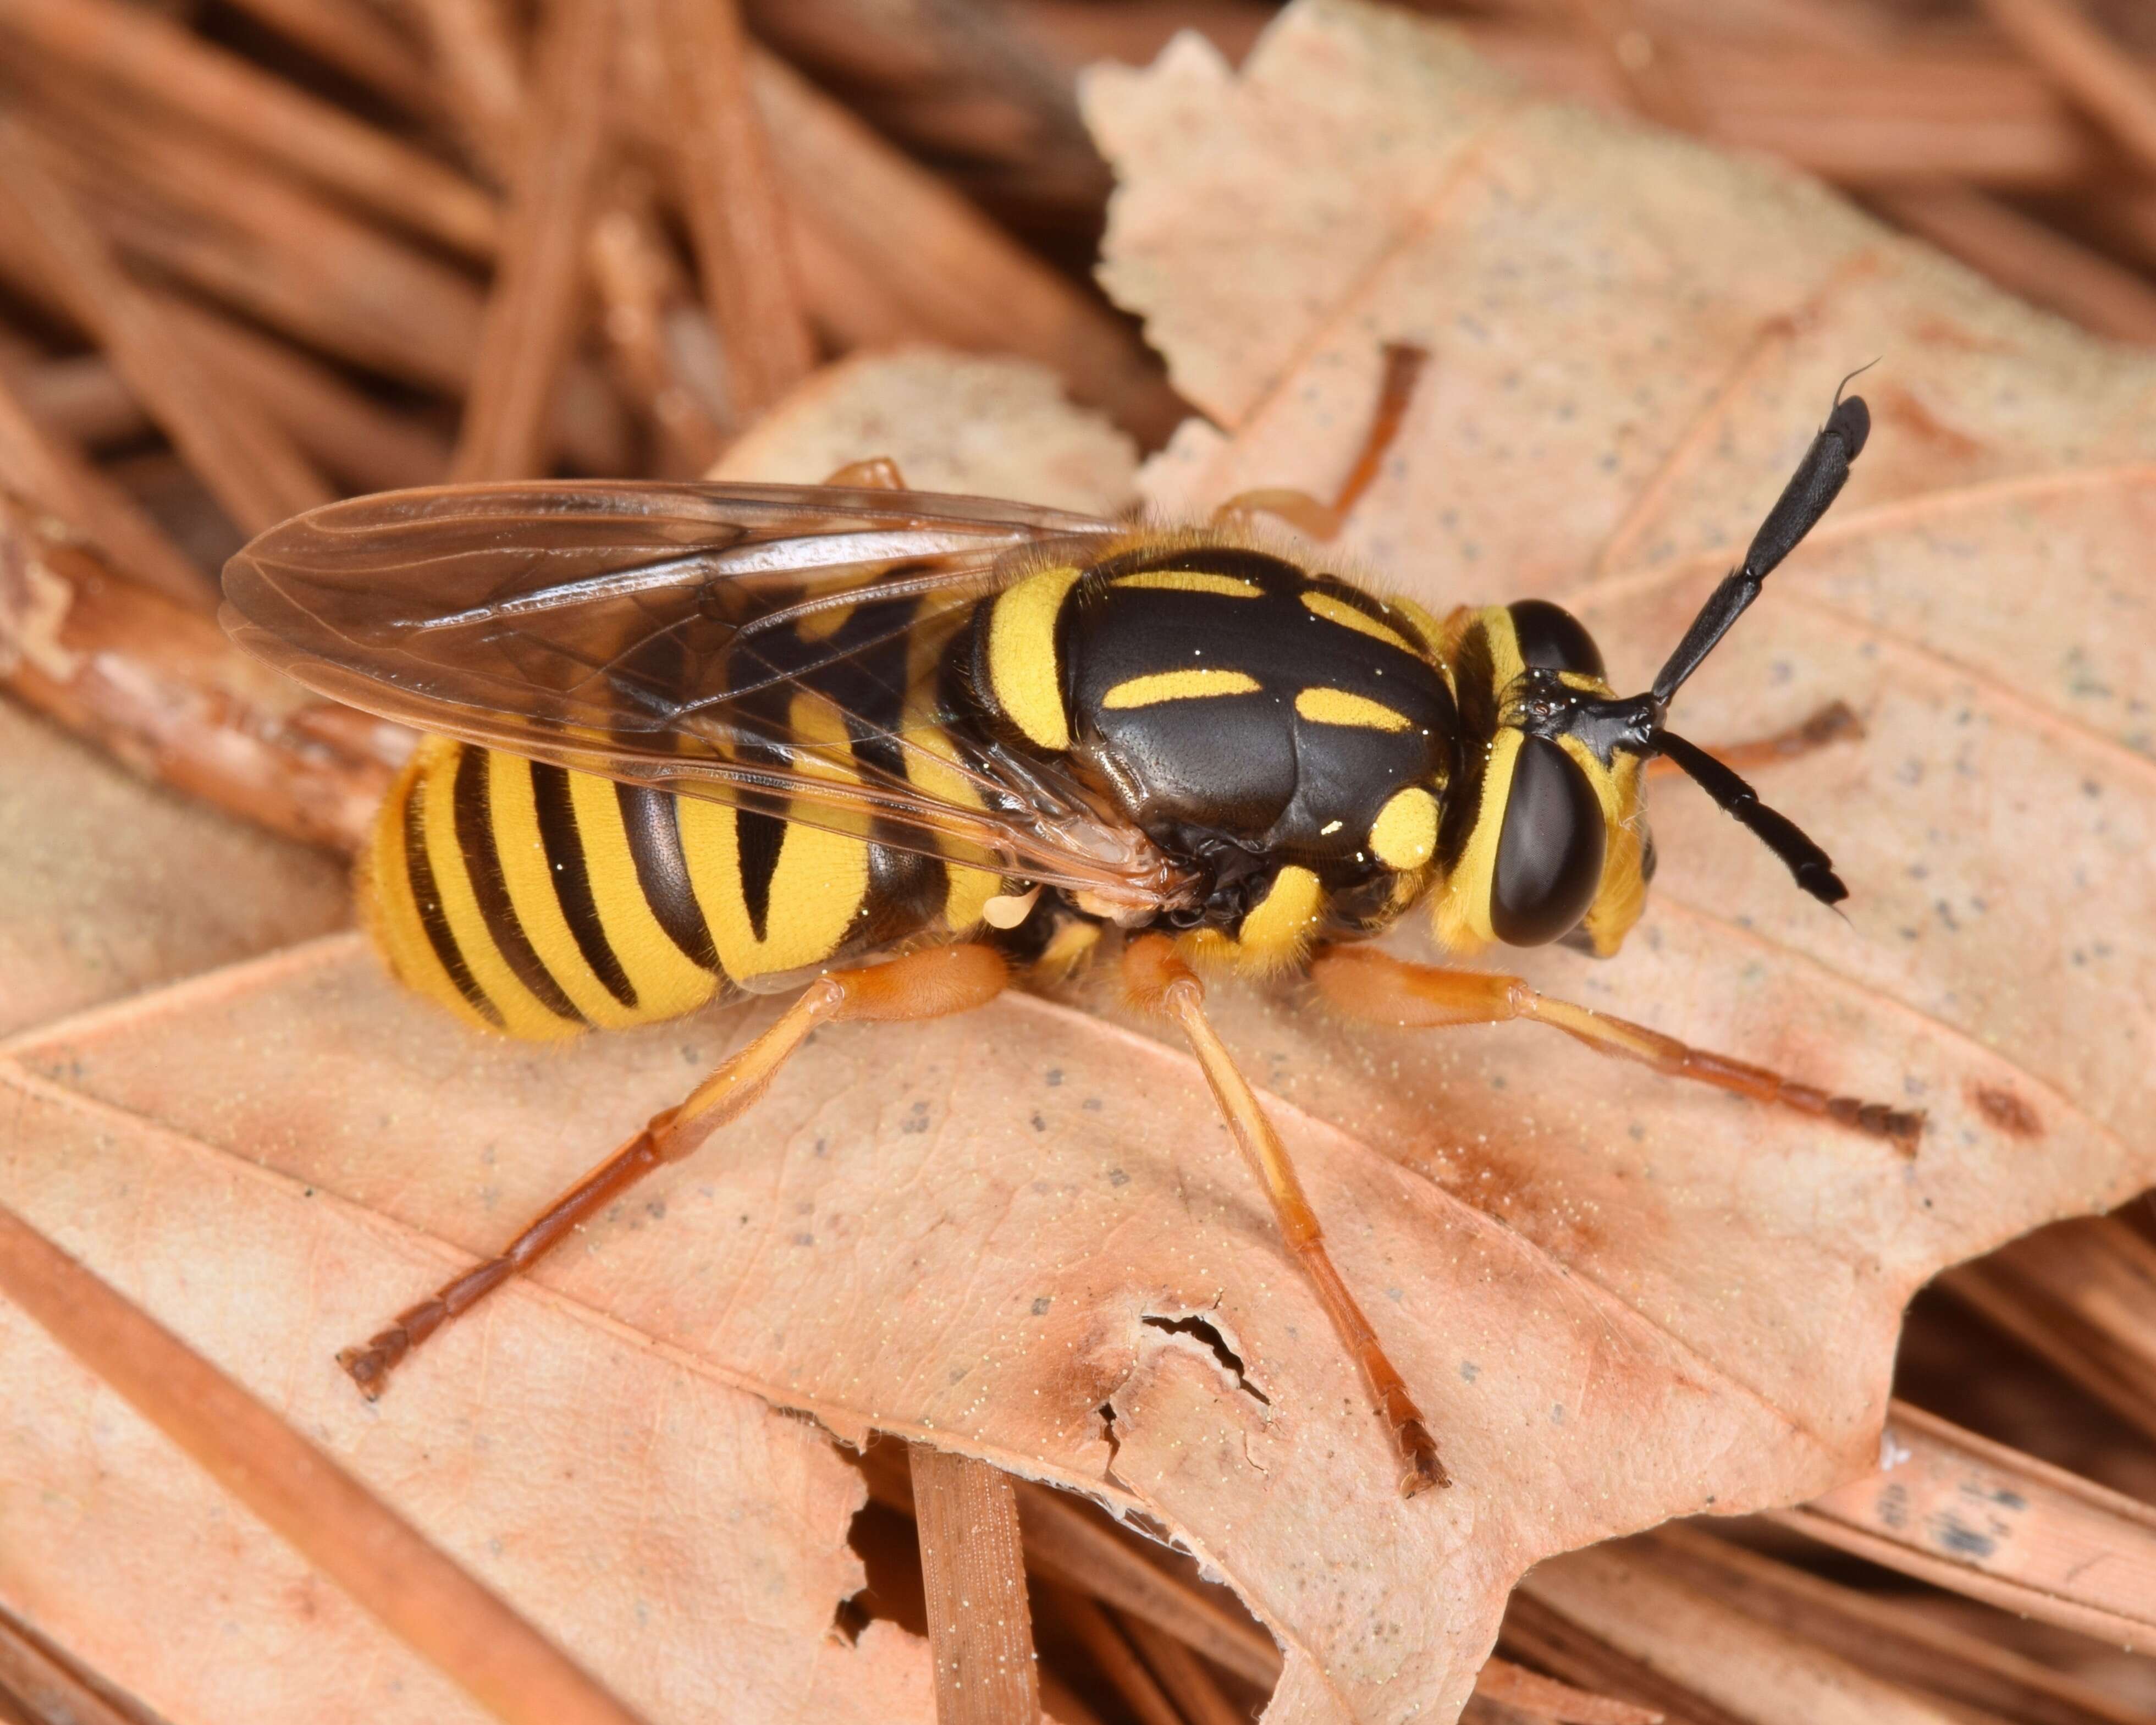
(1817,482)
(1812,866)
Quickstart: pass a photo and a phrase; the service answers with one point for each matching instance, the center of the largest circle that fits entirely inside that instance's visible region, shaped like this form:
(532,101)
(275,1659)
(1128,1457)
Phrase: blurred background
(256,254)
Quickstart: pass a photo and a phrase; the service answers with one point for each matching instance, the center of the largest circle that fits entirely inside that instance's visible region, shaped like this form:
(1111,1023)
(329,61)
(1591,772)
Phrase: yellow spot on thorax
(1229,587)
(1276,933)
(1176,686)
(1336,706)
(1404,834)
(1335,609)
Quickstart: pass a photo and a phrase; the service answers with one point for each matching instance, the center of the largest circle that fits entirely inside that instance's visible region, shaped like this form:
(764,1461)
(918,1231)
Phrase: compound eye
(1549,854)
(1552,639)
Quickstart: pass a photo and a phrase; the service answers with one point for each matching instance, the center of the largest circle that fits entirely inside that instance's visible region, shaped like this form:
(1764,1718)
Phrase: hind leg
(928,984)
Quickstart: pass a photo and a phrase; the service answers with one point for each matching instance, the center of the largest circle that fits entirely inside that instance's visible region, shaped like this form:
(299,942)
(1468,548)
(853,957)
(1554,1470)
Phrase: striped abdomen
(539,902)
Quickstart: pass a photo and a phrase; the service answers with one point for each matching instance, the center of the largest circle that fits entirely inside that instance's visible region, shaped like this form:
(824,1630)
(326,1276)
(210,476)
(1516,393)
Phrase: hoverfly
(889,747)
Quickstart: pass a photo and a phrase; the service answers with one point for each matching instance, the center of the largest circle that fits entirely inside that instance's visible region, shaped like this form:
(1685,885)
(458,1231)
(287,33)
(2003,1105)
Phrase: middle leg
(1160,982)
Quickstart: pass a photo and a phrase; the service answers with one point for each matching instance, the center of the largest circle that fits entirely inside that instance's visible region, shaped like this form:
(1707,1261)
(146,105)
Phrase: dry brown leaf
(992,426)
(1619,1299)
(110,1562)
(110,886)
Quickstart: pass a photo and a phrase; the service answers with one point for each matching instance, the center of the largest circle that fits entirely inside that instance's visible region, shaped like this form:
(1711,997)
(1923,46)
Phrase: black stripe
(759,839)
(1257,566)
(419,872)
(1474,679)
(564,846)
(474,824)
(652,821)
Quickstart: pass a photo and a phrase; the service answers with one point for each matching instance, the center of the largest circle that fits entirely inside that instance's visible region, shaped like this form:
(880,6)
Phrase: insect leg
(879,473)
(1321,520)
(1159,981)
(1379,988)
(1835,722)
(928,984)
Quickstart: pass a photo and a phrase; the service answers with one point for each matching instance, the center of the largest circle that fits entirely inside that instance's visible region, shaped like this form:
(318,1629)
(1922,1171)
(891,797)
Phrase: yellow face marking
(1623,894)
(1230,586)
(1277,930)
(1462,908)
(1177,685)
(1023,672)
(1404,834)
(1334,609)
(1336,706)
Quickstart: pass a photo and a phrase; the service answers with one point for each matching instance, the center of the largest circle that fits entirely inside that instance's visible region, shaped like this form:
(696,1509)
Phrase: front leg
(1381,989)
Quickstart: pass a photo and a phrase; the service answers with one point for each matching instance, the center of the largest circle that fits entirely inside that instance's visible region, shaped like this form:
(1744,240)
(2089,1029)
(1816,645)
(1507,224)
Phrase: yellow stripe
(1622,894)
(1404,834)
(1071,945)
(1462,910)
(1421,622)
(1335,609)
(817,888)
(816,891)
(532,893)
(1506,664)
(1230,586)
(1177,685)
(970,891)
(386,906)
(930,766)
(1023,674)
(1275,932)
(1336,706)
(821,625)
(667,983)
(522,1013)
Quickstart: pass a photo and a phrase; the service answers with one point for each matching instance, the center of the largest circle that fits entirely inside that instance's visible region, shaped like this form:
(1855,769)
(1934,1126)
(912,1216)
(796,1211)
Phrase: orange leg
(1321,520)
(879,473)
(1160,982)
(1381,989)
(1835,722)
(927,984)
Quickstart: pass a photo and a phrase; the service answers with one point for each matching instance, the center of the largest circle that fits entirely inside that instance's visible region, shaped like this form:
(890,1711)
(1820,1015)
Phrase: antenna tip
(1851,422)
(1822,883)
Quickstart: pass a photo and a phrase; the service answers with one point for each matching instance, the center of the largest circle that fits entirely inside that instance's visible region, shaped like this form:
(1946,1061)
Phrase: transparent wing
(778,647)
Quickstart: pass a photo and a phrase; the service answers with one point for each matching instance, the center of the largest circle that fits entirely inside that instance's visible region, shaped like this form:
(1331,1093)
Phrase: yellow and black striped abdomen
(539,902)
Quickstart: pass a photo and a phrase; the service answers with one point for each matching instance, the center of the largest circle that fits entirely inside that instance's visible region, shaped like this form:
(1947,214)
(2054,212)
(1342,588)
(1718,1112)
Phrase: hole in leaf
(1199,1330)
